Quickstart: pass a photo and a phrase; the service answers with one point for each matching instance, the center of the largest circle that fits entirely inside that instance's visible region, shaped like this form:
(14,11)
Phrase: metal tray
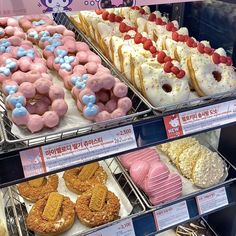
(139,110)
(16,210)
(64,19)
(198,190)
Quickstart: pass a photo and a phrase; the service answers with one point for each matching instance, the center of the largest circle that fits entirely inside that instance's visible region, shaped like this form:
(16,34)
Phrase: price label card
(66,153)
(124,228)
(212,200)
(171,215)
(200,119)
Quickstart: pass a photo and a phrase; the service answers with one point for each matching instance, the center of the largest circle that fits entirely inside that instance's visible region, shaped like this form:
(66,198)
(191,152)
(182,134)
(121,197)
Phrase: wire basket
(144,197)
(16,212)
(62,18)
(139,110)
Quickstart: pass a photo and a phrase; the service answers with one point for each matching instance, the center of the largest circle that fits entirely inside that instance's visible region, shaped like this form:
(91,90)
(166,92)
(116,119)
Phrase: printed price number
(125,132)
(125,225)
(172,215)
(124,228)
(212,200)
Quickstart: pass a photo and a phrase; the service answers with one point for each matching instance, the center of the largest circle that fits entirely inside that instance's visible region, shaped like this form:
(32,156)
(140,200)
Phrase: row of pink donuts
(30,93)
(98,94)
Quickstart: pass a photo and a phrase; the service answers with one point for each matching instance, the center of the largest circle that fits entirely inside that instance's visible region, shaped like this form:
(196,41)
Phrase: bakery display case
(117,118)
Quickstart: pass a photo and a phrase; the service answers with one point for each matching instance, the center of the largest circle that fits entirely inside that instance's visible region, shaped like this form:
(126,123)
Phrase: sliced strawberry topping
(112,17)
(118,19)
(161,56)
(143,40)
(138,38)
(169,26)
(181,74)
(142,11)
(190,42)
(152,17)
(175,70)
(174,29)
(167,58)
(186,37)
(201,47)
(167,67)
(153,49)
(99,11)
(216,58)
(194,44)
(105,15)
(175,36)
(147,44)
(223,59)
(208,50)
(159,21)
(122,27)
(229,61)
(181,38)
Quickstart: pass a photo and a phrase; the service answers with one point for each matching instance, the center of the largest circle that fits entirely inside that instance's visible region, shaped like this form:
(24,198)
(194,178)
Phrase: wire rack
(228,168)
(139,110)
(16,212)
(62,18)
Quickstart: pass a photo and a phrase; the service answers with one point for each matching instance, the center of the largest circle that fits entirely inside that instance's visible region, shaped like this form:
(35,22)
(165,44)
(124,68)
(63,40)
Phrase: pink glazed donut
(97,95)
(8,21)
(35,105)
(34,21)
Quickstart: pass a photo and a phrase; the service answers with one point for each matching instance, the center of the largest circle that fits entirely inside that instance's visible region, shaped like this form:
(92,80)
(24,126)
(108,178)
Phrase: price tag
(172,215)
(124,228)
(212,200)
(66,153)
(200,119)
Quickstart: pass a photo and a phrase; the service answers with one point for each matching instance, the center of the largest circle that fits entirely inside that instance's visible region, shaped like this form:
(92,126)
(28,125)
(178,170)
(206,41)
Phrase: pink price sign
(22,7)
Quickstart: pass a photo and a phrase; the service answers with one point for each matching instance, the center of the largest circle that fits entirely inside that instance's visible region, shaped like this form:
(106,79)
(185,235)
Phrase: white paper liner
(125,205)
(72,119)
(2,214)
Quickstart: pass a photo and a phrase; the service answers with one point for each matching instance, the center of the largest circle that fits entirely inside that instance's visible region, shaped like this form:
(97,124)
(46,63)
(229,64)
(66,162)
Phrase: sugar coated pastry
(174,150)
(36,189)
(83,178)
(195,161)
(51,215)
(97,206)
(208,170)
